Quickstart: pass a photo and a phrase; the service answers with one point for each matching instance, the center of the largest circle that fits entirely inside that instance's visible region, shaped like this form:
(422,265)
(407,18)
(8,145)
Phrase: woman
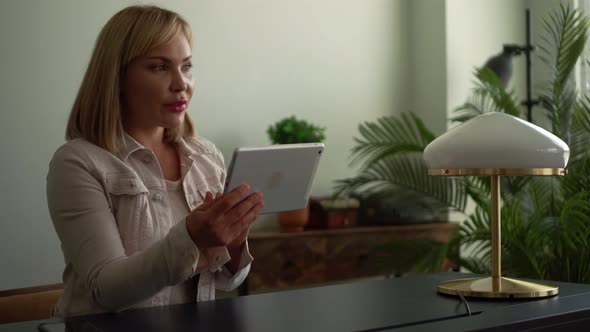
(134,197)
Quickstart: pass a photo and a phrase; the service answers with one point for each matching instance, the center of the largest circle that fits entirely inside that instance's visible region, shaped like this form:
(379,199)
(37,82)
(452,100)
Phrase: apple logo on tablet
(275,180)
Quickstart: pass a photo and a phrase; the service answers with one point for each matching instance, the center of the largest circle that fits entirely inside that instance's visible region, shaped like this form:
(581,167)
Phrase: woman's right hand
(218,221)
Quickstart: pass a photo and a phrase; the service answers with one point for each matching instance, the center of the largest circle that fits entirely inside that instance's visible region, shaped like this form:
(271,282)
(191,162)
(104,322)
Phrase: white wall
(333,62)
(427,51)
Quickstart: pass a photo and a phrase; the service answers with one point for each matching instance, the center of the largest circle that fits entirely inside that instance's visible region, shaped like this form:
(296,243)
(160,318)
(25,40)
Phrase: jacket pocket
(129,197)
(212,185)
(195,195)
(125,184)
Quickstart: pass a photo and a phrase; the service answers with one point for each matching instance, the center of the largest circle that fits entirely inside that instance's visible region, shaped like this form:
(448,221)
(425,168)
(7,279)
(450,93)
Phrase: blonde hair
(132,32)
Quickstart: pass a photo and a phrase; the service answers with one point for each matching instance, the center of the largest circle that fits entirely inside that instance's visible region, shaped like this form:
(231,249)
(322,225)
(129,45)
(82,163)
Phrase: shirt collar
(184,149)
(130,145)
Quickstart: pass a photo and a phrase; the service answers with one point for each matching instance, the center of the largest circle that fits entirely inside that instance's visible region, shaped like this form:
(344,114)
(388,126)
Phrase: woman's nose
(178,83)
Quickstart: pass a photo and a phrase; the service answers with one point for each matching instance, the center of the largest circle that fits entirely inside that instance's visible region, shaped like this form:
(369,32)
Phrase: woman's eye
(187,67)
(160,67)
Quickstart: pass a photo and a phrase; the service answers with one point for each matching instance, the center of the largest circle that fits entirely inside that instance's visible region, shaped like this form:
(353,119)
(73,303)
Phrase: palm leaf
(477,104)
(478,189)
(522,242)
(580,131)
(582,113)
(579,143)
(577,180)
(488,96)
(475,234)
(513,185)
(569,244)
(566,32)
(407,171)
(389,136)
(575,221)
(473,237)
(540,197)
(491,85)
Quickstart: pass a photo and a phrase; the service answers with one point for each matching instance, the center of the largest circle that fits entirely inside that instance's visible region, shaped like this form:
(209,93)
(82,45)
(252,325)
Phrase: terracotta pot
(294,221)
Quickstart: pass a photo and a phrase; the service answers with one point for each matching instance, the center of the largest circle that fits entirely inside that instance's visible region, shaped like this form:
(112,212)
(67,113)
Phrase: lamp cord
(464,302)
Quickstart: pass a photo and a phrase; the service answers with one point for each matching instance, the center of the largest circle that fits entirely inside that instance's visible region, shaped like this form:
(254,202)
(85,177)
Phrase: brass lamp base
(497,286)
(508,288)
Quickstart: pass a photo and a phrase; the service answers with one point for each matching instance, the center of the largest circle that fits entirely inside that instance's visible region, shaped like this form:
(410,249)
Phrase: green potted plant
(291,130)
(545,221)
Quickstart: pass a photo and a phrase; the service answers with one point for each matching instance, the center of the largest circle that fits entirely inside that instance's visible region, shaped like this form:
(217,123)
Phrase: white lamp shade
(496,140)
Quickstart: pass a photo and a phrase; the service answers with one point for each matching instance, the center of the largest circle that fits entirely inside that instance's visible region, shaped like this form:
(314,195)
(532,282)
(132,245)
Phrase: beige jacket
(121,247)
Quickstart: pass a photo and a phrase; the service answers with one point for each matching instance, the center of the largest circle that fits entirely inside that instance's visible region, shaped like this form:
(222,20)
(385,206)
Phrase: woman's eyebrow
(165,59)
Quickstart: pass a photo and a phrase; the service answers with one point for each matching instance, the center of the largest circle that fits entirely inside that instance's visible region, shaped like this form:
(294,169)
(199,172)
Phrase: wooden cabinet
(320,256)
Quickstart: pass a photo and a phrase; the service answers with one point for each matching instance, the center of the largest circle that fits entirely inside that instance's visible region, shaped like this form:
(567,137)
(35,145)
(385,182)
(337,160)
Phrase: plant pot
(294,221)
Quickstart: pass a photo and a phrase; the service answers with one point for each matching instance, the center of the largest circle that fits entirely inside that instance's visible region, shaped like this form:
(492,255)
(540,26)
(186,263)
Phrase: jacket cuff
(227,281)
(183,254)
(217,257)
(245,260)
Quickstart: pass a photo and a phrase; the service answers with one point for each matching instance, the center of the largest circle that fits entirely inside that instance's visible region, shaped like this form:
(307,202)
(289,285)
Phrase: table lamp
(496,144)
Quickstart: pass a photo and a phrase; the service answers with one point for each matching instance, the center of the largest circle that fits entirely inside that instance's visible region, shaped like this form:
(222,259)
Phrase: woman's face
(158,86)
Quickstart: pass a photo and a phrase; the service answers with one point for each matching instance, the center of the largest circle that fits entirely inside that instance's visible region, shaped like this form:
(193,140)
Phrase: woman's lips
(177,107)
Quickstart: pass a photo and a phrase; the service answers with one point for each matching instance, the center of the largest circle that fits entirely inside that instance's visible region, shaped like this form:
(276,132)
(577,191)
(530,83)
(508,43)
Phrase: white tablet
(283,173)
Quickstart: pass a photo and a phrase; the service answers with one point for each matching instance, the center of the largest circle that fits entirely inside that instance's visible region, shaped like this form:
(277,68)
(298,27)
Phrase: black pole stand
(529,102)
(527,50)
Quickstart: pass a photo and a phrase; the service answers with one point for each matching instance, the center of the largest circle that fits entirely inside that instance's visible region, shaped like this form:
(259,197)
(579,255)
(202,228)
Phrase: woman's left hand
(238,242)
(235,247)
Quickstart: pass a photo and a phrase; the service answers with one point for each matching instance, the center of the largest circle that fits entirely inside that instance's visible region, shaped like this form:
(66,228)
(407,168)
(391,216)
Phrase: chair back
(31,303)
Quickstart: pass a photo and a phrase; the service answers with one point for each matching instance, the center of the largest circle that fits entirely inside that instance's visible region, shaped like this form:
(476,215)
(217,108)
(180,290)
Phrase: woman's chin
(175,123)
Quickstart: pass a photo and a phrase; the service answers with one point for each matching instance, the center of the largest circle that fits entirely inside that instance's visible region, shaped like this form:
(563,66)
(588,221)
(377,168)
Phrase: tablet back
(283,173)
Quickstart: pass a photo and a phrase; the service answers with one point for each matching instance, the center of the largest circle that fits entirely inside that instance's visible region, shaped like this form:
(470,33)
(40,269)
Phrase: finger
(244,206)
(243,225)
(256,211)
(236,230)
(228,201)
(243,236)
(207,202)
(250,215)
(218,195)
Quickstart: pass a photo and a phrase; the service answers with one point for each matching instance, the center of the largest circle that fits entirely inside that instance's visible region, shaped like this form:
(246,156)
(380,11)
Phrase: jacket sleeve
(224,279)
(219,256)
(91,242)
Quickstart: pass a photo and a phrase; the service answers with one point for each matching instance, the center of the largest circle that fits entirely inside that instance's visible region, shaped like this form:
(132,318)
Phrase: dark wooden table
(399,304)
